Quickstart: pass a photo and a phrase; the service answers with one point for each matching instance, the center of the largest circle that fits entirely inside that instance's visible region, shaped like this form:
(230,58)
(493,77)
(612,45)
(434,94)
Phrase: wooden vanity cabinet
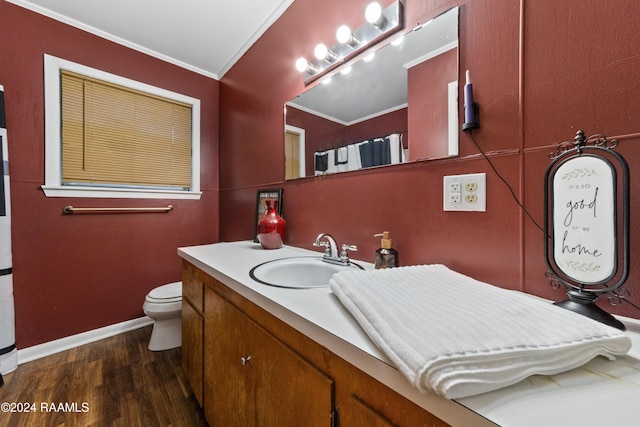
(258,370)
(365,415)
(253,379)
(193,281)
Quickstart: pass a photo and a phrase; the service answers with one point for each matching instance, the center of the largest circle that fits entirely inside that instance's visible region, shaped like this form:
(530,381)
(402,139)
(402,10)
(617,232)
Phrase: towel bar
(72,210)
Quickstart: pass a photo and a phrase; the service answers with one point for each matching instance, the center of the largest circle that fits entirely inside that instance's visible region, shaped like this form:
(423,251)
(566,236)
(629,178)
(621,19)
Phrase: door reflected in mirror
(399,106)
(294,148)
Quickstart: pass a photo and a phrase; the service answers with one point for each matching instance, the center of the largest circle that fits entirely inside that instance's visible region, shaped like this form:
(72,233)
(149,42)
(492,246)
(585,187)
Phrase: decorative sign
(584,233)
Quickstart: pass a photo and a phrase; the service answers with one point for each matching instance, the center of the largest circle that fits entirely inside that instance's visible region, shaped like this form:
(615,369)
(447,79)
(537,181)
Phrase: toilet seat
(165,294)
(164,305)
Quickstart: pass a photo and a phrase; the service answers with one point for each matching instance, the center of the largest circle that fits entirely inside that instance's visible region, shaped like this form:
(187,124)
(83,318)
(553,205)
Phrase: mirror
(400,106)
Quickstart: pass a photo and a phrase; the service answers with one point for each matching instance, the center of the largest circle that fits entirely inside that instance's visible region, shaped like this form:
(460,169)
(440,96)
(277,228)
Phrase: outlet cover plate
(465,192)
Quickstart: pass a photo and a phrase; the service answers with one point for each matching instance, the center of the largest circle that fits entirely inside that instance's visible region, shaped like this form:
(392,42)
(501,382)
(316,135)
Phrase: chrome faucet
(331,249)
(330,246)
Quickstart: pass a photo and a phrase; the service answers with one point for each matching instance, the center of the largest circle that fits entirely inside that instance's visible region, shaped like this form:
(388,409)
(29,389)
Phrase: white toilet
(164,305)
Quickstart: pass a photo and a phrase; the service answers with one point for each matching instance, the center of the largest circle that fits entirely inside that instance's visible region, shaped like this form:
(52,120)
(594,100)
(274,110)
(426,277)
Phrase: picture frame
(261,207)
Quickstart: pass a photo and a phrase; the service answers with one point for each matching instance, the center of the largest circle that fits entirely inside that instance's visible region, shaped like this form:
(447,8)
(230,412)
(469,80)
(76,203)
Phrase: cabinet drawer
(193,281)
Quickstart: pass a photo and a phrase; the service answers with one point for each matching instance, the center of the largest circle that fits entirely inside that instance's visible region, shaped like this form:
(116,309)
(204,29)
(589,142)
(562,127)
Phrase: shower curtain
(8,351)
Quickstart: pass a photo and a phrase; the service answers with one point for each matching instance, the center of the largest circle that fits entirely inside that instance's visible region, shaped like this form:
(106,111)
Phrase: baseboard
(52,347)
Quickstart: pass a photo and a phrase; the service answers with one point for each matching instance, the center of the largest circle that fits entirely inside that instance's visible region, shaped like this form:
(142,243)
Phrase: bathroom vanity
(262,355)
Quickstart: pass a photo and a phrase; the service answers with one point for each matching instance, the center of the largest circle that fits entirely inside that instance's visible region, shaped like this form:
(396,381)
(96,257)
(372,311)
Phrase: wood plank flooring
(113,382)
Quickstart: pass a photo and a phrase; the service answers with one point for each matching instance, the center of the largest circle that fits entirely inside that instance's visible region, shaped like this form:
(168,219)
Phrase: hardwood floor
(113,382)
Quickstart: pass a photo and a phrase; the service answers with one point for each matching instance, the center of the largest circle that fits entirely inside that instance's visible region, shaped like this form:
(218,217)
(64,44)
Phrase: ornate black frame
(583,296)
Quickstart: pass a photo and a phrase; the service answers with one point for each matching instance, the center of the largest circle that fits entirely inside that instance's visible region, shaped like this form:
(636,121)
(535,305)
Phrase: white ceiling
(205,36)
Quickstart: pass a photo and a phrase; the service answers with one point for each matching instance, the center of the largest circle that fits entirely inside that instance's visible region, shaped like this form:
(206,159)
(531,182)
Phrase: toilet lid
(166,293)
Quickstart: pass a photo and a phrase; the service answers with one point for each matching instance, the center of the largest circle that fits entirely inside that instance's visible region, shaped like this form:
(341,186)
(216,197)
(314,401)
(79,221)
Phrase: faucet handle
(343,255)
(326,246)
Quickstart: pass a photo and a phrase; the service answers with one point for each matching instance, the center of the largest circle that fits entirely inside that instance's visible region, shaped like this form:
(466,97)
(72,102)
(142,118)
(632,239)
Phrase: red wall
(393,122)
(531,97)
(73,273)
(428,111)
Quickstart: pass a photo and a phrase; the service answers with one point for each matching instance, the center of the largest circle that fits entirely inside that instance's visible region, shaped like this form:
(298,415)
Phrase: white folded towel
(397,153)
(354,157)
(341,158)
(456,336)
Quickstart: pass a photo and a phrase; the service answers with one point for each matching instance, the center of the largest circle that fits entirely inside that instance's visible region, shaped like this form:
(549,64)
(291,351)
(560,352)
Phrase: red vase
(271,228)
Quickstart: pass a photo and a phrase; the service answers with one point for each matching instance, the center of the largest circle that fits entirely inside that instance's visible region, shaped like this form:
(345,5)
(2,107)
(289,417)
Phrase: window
(107,136)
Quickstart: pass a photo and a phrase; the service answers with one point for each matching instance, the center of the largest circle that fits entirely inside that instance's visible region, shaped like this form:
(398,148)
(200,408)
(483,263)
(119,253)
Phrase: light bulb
(346,70)
(321,51)
(343,35)
(374,16)
(369,57)
(302,65)
(373,12)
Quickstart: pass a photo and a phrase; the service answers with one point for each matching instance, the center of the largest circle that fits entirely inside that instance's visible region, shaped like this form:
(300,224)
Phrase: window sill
(119,193)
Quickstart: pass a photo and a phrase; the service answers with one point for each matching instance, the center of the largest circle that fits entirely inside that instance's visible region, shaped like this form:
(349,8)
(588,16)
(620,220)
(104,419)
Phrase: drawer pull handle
(245,360)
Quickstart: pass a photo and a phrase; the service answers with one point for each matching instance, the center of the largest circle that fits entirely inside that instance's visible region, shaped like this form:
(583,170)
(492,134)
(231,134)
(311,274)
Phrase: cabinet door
(192,347)
(228,389)
(289,390)
(364,415)
(251,378)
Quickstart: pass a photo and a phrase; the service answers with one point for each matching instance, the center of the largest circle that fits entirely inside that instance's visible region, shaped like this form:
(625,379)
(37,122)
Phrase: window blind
(120,136)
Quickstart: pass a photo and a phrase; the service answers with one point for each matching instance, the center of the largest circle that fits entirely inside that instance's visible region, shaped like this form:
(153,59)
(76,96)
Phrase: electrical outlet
(465,192)
(452,193)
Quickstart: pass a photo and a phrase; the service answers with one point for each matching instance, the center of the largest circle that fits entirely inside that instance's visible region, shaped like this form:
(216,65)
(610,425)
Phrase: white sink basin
(298,272)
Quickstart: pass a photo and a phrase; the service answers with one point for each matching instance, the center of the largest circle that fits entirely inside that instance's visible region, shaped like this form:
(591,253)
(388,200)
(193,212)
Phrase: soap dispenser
(386,256)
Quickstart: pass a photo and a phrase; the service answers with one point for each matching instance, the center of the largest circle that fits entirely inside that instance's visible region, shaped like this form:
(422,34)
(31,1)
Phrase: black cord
(513,194)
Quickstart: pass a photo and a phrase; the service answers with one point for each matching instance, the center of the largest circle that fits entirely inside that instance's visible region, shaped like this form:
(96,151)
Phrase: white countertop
(597,394)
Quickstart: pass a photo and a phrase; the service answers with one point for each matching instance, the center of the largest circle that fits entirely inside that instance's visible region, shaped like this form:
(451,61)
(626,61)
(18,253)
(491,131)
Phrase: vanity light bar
(351,43)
